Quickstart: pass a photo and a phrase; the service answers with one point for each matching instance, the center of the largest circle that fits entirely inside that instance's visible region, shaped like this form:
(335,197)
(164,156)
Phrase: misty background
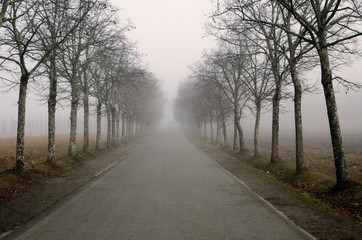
(171,36)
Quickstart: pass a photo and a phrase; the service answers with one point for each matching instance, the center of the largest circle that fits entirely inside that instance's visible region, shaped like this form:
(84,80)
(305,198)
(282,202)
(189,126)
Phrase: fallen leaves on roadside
(24,182)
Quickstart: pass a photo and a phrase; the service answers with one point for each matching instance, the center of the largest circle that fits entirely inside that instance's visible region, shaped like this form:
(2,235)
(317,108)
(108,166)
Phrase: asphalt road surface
(167,189)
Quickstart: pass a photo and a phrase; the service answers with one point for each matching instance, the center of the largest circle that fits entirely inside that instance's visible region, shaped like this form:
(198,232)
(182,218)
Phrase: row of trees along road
(76,53)
(263,48)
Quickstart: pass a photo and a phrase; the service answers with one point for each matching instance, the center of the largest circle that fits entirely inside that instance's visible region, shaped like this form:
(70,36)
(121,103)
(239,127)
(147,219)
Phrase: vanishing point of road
(167,189)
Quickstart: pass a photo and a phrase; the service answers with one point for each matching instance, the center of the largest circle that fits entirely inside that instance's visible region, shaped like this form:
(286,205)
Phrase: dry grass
(318,154)
(317,150)
(35,150)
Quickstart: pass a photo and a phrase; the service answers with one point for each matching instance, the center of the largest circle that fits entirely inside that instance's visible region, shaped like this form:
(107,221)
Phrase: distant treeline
(75,54)
(264,47)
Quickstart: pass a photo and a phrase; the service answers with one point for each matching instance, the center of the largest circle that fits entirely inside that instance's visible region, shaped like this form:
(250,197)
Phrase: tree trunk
(224,131)
(137,127)
(199,129)
(132,124)
(4,7)
(20,166)
(335,130)
(211,131)
(109,126)
(128,128)
(99,122)
(113,115)
(275,125)
(217,132)
(123,129)
(73,124)
(86,115)
(52,102)
(235,141)
(205,132)
(256,129)
(239,129)
(117,127)
(299,153)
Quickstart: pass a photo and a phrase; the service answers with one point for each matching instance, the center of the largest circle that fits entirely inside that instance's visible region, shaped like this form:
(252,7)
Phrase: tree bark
(239,128)
(128,129)
(275,125)
(224,131)
(86,115)
(73,125)
(4,6)
(217,132)
(211,131)
(123,128)
(74,110)
(99,122)
(335,130)
(52,101)
(256,129)
(117,127)
(113,115)
(299,153)
(109,126)
(235,141)
(20,164)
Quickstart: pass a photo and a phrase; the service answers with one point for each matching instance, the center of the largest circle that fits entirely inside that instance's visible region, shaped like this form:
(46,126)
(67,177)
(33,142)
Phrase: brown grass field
(35,150)
(318,153)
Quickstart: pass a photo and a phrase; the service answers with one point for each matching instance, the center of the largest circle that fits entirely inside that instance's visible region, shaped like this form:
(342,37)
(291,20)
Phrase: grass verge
(14,183)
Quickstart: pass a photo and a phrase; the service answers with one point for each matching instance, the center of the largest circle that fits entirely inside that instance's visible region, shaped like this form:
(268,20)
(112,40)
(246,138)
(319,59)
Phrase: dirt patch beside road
(316,220)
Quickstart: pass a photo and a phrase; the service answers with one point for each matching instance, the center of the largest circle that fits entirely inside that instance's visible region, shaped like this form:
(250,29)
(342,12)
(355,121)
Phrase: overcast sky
(169,33)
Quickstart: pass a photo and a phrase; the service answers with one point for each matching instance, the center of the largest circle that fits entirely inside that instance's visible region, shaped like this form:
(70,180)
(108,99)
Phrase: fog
(170,34)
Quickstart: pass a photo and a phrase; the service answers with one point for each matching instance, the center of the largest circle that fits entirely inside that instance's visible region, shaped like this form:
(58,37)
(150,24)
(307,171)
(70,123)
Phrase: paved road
(167,189)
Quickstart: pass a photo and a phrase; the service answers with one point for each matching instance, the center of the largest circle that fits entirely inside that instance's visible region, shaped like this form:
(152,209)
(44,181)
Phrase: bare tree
(70,63)
(229,20)
(20,41)
(56,23)
(217,106)
(185,107)
(227,65)
(257,78)
(5,4)
(96,91)
(330,25)
(104,33)
(295,52)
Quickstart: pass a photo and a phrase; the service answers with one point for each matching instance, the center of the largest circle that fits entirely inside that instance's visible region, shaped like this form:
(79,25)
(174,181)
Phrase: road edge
(139,143)
(267,203)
